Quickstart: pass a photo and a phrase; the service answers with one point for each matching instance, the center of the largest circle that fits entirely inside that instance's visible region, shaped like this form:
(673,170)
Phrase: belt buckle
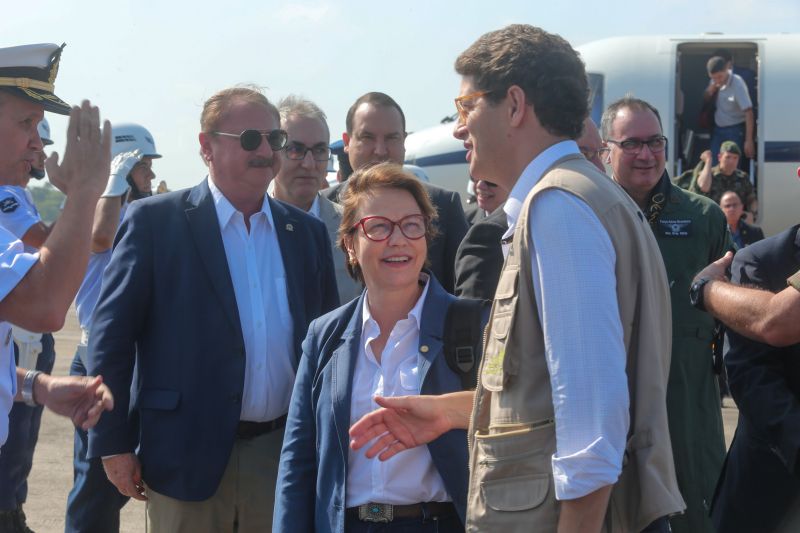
(376,512)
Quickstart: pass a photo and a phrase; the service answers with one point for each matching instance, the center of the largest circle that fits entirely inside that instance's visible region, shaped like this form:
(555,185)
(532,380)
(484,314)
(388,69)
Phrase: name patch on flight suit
(675,227)
(9,205)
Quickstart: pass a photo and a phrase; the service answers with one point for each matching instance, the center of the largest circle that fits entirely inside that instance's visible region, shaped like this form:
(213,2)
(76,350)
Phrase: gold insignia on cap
(55,59)
(289,227)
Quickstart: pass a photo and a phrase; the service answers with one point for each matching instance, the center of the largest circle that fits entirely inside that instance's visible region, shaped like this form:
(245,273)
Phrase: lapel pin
(289,227)
(423,348)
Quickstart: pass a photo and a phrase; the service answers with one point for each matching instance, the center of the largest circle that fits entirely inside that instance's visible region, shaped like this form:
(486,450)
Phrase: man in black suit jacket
(742,233)
(479,259)
(208,294)
(759,487)
(375,132)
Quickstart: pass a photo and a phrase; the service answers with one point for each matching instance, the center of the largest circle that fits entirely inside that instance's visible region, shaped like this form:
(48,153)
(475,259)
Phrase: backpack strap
(463,338)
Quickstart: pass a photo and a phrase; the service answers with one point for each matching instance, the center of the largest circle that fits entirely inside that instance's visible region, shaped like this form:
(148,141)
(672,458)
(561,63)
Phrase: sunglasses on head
(251,139)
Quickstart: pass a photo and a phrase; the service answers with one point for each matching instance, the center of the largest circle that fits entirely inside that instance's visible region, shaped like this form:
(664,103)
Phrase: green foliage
(48,201)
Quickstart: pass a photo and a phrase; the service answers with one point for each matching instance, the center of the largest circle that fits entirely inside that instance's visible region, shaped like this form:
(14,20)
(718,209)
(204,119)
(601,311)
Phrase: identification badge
(675,227)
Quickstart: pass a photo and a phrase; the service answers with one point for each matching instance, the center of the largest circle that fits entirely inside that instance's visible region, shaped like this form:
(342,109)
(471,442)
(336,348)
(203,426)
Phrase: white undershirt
(572,263)
(259,284)
(408,477)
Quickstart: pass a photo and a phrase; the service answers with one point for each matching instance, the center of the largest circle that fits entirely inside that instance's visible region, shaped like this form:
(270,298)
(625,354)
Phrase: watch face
(696,293)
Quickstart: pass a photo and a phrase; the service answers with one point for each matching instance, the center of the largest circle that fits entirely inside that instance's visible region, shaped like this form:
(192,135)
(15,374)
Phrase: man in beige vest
(568,430)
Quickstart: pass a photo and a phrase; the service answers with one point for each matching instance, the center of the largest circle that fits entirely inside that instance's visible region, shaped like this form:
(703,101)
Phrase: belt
(249,430)
(384,512)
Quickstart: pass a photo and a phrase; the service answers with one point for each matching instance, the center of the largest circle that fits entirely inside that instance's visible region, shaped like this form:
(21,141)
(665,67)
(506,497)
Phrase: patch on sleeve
(675,227)
(9,205)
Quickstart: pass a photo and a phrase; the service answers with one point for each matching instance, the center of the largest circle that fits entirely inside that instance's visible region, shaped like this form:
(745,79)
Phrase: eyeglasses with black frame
(297,151)
(463,112)
(251,139)
(378,228)
(656,145)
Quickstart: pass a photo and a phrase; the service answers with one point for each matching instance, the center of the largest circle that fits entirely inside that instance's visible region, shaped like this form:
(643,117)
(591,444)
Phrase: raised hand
(87,156)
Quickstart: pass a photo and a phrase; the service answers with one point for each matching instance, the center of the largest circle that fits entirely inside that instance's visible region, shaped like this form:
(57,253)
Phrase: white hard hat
(129,137)
(44,132)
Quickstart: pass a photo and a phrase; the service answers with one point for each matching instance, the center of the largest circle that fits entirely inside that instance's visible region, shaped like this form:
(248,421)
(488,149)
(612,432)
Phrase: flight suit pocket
(512,481)
(498,364)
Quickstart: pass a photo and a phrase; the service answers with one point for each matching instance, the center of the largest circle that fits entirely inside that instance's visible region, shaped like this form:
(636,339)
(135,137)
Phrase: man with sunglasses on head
(302,174)
(691,232)
(209,293)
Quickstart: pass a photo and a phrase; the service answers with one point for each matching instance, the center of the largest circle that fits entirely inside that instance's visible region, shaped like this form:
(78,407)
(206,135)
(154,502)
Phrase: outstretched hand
(401,423)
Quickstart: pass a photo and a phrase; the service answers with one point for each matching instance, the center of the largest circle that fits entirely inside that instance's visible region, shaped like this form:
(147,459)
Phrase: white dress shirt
(572,262)
(408,477)
(14,264)
(259,284)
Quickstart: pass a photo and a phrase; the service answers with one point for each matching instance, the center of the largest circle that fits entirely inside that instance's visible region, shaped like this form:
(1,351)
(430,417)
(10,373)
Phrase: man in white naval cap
(94,502)
(19,215)
(36,289)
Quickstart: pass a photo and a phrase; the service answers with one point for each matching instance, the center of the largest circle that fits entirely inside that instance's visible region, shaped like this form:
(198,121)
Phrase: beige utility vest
(512,437)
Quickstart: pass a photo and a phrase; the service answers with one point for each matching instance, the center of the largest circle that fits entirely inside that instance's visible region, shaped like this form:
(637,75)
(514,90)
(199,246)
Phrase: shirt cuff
(587,470)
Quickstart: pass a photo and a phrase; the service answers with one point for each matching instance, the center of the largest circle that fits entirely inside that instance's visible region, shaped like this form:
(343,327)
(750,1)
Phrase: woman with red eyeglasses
(387,342)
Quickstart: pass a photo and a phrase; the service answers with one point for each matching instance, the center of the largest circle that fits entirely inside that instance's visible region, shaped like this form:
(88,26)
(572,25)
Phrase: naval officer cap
(29,71)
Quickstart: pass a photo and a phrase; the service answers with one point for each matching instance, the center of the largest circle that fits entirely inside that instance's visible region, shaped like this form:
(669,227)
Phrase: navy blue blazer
(310,496)
(167,305)
(760,480)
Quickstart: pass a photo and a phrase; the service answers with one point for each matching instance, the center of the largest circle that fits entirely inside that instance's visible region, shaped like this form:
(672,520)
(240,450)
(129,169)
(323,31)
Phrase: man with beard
(209,293)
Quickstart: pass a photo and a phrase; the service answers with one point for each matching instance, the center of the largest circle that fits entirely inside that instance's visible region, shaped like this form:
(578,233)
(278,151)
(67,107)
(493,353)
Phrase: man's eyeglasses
(251,139)
(463,112)
(297,151)
(377,228)
(634,146)
(589,154)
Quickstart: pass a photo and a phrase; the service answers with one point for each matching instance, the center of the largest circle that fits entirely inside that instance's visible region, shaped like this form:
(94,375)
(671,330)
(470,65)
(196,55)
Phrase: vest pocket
(512,479)
(499,365)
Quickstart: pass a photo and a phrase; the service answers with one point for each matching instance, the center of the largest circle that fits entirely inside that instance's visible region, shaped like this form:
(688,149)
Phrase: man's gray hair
(626,102)
(298,106)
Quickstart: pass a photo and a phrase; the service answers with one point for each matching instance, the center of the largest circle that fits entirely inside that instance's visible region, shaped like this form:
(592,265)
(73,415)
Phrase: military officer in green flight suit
(690,231)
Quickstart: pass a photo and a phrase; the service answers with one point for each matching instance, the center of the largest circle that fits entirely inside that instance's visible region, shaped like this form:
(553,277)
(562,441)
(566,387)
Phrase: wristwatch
(27,387)
(696,295)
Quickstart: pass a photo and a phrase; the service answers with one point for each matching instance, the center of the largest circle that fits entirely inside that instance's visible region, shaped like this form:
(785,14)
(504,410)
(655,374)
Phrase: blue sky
(156,62)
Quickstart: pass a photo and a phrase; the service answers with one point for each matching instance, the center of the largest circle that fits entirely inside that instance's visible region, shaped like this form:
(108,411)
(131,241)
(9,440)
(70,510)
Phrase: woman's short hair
(365,183)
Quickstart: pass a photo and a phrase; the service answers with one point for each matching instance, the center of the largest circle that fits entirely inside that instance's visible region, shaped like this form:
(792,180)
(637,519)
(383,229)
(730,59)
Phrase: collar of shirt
(314,210)
(226,210)
(530,177)
(370,329)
